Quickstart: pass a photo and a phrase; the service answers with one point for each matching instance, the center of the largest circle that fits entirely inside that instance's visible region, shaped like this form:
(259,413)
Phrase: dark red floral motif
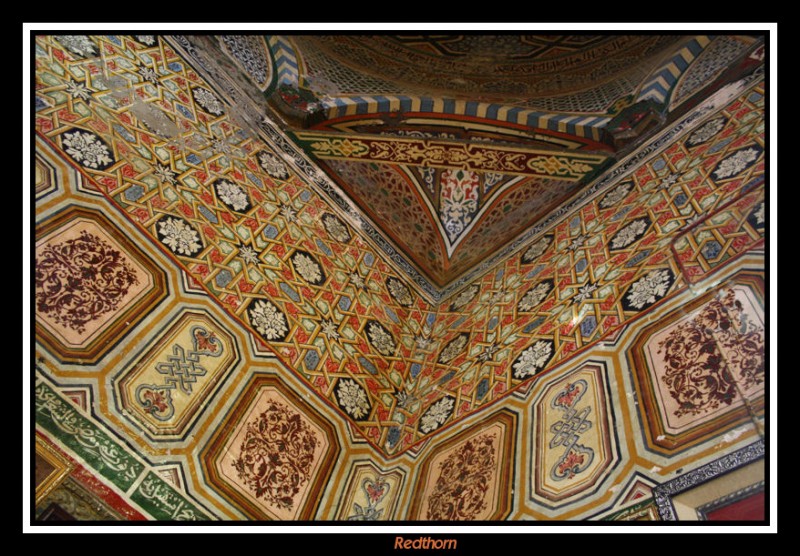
(155,401)
(464,481)
(277,454)
(80,280)
(376,490)
(568,396)
(570,465)
(205,341)
(708,354)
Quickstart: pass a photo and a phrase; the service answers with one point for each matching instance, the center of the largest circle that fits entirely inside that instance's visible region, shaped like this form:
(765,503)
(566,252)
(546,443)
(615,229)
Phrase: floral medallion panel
(469,477)
(273,453)
(371,494)
(92,284)
(701,369)
(165,390)
(574,436)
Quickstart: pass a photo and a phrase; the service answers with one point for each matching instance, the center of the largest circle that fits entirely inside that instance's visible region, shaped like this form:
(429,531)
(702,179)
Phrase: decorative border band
(664,493)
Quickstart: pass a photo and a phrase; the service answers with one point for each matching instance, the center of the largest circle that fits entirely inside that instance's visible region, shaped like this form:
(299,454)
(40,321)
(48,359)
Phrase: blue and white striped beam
(285,60)
(658,85)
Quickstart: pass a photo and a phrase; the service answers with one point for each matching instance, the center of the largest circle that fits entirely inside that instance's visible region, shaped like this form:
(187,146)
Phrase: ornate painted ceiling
(396,277)
(453,146)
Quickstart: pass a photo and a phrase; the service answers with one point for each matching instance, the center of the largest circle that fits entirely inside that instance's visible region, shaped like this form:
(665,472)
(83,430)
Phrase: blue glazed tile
(536,270)
(368,366)
(711,250)
(311,360)
(290,292)
(534,325)
(483,387)
(134,193)
(184,111)
(270,232)
(210,216)
(324,248)
(392,315)
(223,278)
(255,179)
(588,325)
(393,436)
(638,257)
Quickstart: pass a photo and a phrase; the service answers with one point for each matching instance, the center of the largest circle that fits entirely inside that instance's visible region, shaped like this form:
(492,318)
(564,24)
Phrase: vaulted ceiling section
(396,277)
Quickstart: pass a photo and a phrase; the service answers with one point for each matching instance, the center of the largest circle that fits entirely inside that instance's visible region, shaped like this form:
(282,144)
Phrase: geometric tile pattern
(386,393)
(695,65)
(453,226)
(251,55)
(726,233)
(529,85)
(241,221)
(708,65)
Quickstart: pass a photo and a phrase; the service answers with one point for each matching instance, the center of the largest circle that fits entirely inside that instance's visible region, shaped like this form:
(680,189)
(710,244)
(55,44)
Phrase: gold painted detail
(571,166)
(54,469)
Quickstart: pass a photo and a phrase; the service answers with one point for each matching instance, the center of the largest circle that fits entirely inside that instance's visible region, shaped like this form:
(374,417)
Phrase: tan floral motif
(308,268)
(399,292)
(207,100)
(380,338)
(268,320)
(86,148)
(630,233)
(452,349)
(537,249)
(533,359)
(352,398)
(649,289)
(179,236)
(437,414)
(465,297)
(272,165)
(336,228)
(535,296)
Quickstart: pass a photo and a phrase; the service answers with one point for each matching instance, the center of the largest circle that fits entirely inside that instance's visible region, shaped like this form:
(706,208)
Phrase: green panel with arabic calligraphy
(79,434)
(163,502)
